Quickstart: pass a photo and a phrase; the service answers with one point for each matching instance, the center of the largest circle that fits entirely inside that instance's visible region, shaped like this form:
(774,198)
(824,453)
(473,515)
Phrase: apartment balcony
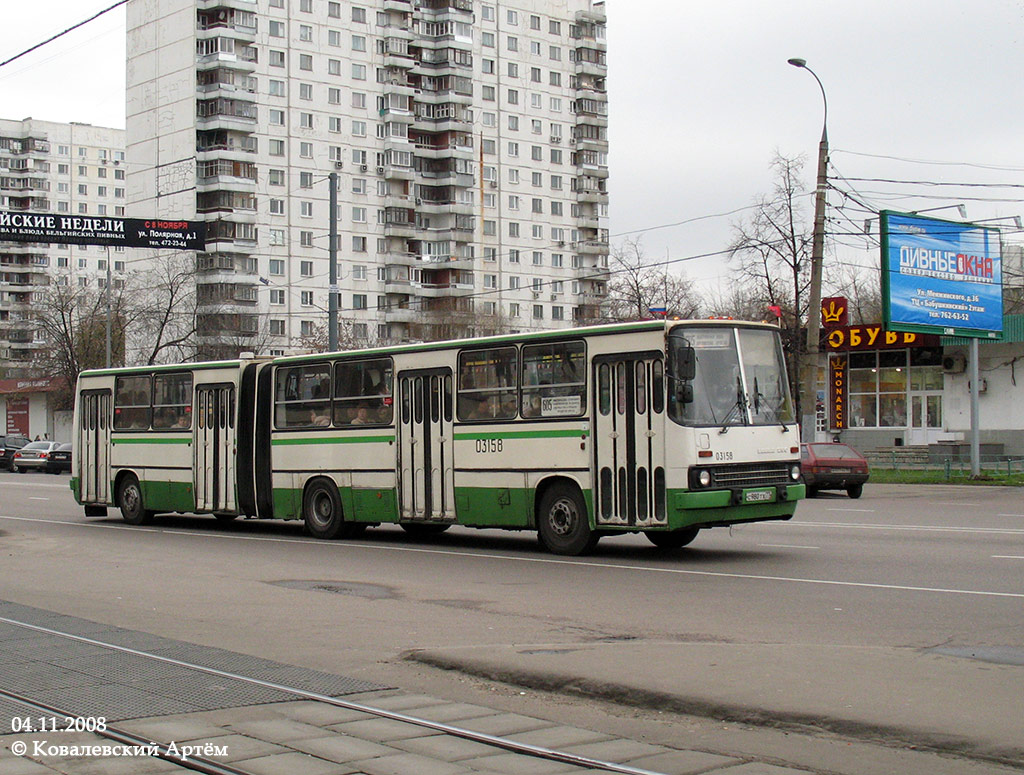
(403,315)
(594,65)
(592,196)
(586,118)
(391,172)
(24,203)
(21,183)
(442,6)
(593,15)
(592,248)
(240,32)
(402,6)
(240,5)
(406,230)
(599,144)
(430,207)
(225,59)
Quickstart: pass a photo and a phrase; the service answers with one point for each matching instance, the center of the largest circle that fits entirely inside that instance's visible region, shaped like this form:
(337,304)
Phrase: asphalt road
(896,619)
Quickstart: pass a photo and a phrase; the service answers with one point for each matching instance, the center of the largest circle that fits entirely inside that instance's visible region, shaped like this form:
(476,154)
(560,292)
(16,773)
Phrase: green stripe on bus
(332,440)
(187,440)
(559,434)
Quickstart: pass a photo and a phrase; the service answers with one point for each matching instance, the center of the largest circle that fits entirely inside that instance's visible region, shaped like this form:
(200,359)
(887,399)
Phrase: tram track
(131,741)
(216,768)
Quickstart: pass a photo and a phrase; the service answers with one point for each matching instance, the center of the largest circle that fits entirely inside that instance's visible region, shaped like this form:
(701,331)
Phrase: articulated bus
(664,428)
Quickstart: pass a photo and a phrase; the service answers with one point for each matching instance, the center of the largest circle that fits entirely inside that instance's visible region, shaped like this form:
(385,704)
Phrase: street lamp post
(809,389)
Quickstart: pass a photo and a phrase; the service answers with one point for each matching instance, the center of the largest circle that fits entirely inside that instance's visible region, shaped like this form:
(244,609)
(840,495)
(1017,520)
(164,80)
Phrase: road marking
(936,528)
(37,498)
(790,546)
(954,503)
(863,511)
(1007,557)
(365,546)
(1010,515)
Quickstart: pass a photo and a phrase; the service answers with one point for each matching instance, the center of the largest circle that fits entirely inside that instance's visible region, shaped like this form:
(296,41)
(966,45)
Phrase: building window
(305,61)
(276,296)
(306,298)
(359,301)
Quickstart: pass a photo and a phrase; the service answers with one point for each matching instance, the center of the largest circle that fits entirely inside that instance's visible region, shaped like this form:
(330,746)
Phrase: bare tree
(163,323)
(73,321)
(637,285)
(772,253)
(863,292)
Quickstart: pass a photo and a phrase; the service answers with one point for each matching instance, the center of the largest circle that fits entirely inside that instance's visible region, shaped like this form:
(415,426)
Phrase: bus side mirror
(684,393)
(683,360)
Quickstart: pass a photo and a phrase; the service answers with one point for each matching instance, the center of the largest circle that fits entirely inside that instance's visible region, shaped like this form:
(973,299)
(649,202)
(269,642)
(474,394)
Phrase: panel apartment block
(51,167)
(469,141)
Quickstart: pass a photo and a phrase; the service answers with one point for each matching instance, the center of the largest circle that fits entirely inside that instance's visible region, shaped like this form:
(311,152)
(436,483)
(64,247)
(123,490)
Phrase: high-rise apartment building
(469,140)
(58,168)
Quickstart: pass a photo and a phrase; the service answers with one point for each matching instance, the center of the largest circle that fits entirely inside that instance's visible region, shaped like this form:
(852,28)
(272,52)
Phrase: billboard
(101,230)
(941,277)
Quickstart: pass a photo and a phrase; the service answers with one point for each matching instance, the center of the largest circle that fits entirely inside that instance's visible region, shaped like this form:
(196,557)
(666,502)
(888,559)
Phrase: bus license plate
(758,496)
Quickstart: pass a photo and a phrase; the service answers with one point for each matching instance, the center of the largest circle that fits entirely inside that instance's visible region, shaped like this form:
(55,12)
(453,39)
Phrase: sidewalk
(973,711)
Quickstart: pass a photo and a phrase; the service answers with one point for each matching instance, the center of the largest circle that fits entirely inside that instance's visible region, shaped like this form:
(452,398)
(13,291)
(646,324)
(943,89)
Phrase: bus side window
(487,386)
(657,387)
(132,396)
(554,379)
(604,388)
(363,392)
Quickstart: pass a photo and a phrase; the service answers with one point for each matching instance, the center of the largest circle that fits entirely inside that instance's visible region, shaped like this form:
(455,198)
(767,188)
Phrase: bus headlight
(794,473)
(704,478)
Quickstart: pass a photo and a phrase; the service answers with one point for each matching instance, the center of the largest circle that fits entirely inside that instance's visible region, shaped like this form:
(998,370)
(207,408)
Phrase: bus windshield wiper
(773,410)
(740,405)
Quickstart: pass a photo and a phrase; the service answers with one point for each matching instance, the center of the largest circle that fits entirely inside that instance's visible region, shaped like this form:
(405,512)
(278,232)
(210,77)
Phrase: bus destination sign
(102,230)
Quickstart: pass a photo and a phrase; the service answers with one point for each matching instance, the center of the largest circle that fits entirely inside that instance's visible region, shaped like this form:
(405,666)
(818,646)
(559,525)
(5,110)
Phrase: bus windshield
(739,378)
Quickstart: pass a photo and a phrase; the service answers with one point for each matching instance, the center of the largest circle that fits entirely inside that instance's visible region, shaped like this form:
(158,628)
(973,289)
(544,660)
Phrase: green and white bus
(664,428)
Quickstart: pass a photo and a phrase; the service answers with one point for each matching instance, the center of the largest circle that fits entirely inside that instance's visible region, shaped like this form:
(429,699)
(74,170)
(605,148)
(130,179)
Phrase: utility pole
(108,306)
(809,388)
(332,249)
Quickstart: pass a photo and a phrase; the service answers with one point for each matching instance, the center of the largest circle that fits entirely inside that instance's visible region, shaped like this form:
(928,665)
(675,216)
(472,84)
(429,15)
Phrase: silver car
(33,456)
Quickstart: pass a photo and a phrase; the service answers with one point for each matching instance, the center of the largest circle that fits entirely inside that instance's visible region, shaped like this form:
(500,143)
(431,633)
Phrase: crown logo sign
(832,312)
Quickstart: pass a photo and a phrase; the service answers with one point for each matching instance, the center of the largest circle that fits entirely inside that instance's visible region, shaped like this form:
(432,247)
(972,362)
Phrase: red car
(833,467)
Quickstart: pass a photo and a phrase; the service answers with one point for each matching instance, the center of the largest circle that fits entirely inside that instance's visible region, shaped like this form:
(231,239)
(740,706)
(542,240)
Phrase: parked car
(8,446)
(833,466)
(60,459)
(33,456)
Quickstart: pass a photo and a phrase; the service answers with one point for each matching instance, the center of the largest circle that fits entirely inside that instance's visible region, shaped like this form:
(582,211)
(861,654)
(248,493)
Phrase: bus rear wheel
(129,500)
(322,513)
(672,539)
(562,523)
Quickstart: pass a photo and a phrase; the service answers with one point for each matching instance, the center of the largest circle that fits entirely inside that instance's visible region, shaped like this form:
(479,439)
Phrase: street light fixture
(809,389)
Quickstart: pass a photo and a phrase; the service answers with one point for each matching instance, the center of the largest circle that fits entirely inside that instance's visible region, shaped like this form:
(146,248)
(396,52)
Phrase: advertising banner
(941,277)
(113,232)
(837,392)
(17,416)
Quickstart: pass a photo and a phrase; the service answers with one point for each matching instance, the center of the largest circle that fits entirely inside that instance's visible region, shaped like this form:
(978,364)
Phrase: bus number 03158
(488,445)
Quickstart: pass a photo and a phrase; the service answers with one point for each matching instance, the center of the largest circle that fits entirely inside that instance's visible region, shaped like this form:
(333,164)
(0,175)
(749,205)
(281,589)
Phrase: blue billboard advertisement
(941,277)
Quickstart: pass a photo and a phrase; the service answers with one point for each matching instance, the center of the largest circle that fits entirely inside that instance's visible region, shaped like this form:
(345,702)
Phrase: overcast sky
(701,97)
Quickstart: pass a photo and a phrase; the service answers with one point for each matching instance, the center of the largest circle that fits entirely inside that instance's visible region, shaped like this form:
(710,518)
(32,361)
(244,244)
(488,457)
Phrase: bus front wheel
(129,500)
(562,523)
(672,539)
(322,513)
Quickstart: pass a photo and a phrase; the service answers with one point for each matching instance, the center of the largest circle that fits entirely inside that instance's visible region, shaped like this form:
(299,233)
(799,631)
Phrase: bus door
(93,464)
(426,466)
(214,444)
(628,439)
